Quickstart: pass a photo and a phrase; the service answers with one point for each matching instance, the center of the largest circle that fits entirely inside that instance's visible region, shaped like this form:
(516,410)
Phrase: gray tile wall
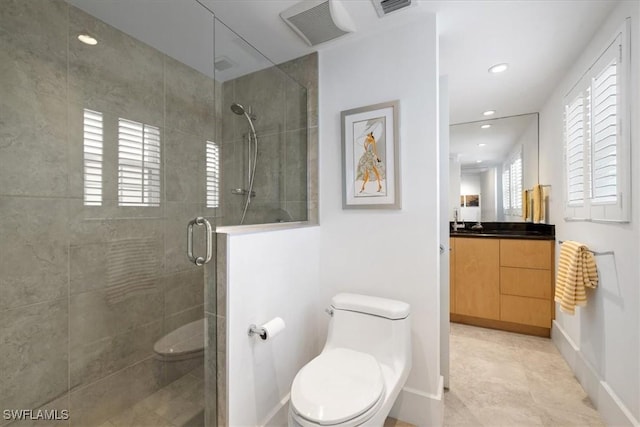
(284,100)
(68,340)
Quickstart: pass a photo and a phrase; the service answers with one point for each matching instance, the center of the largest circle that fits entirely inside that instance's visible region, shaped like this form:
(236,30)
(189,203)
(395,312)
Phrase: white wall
(529,143)
(386,253)
(488,202)
(601,342)
(269,274)
(444,189)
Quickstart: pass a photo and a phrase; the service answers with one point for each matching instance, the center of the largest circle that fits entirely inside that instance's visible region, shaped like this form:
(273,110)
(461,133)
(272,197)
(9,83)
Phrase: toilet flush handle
(329,311)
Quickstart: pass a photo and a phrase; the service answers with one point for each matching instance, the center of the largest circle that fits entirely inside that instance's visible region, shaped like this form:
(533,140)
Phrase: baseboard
(279,416)
(419,408)
(613,411)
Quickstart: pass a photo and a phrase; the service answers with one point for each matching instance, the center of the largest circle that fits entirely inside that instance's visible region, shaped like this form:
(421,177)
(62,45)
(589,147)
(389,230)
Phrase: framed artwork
(370,157)
(472,200)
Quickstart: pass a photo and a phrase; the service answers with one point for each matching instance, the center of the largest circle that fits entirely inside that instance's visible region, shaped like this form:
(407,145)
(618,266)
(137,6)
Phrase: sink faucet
(456,225)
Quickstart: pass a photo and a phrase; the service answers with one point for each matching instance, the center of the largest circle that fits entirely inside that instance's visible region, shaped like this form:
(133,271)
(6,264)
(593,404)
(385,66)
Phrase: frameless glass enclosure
(275,155)
(115,135)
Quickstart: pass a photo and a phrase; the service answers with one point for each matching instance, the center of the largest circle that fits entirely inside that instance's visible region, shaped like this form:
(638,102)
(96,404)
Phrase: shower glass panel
(107,151)
(255,89)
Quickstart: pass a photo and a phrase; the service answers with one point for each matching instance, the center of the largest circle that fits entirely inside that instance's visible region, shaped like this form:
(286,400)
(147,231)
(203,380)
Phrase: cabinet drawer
(526,253)
(526,311)
(525,282)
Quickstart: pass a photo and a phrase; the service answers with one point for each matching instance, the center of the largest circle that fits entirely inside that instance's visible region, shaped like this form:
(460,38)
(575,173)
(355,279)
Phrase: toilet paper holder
(268,330)
(255,330)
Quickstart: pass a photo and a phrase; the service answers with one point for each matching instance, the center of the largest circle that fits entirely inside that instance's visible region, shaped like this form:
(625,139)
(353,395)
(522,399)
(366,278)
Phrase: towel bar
(593,252)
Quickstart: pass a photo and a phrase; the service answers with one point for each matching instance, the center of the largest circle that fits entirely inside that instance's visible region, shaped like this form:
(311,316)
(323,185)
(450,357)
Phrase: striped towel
(576,272)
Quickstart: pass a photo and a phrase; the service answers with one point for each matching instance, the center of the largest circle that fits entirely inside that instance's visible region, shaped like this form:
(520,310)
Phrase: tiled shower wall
(281,106)
(67,343)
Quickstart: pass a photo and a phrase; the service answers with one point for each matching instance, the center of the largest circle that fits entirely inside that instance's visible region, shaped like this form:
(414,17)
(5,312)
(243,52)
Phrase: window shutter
(92,158)
(213,175)
(574,149)
(604,134)
(506,191)
(138,164)
(516,185)
(597,137)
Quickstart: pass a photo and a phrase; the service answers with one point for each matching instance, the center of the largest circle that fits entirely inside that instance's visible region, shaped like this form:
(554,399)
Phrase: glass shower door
(106,129)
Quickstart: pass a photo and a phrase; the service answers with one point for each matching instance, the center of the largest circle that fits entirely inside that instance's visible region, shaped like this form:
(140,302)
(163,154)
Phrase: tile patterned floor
(392,422)
(506,379)
(180,404)
(497,379)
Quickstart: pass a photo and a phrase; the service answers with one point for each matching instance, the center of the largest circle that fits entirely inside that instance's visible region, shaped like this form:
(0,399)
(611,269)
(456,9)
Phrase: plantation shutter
(213,175)
(506,191)
(604,134)
(516,185)
(138,164)
(574,149)
(92,144)
(597,138)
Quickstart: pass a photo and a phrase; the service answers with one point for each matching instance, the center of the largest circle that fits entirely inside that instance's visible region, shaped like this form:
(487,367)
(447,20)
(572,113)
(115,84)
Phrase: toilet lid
(338,385)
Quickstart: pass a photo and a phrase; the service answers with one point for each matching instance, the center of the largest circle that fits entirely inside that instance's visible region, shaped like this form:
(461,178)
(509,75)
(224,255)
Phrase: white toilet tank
(378,326)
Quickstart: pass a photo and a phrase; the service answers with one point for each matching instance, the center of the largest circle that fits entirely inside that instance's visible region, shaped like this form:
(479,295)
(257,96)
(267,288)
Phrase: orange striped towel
(576,272)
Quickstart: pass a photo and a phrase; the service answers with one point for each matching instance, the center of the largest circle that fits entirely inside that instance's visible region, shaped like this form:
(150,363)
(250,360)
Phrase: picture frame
(371,157)
(472,200)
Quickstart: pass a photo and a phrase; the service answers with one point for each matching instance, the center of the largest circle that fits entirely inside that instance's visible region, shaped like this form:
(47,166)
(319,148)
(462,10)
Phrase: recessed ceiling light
(478,161)
(498,68)
(481,145)
(87,39)
(485,126)
(489,113)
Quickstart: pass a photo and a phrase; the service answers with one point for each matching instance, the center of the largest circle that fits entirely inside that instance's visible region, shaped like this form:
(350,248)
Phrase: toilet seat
(337,386)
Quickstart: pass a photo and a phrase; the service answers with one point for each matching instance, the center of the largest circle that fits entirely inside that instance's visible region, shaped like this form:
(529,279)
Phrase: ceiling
(538,38)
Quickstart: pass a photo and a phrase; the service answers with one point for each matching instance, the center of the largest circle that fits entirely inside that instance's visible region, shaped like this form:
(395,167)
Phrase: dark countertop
(506,230)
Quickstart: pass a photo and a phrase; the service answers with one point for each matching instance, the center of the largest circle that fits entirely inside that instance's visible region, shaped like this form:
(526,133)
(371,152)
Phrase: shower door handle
(208,241)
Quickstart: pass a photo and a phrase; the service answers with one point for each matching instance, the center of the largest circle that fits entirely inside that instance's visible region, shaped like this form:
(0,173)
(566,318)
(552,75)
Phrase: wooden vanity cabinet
(503,283)
(477,277)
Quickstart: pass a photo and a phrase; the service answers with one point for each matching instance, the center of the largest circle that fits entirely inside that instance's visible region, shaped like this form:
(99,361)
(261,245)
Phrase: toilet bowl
(364,364)
(186,342)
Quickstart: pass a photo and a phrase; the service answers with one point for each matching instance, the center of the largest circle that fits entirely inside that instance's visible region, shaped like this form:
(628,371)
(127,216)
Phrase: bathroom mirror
(490,162)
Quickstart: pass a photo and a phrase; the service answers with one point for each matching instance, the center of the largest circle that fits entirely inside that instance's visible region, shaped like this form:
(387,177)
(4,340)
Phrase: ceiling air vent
(222,63)
(384,7)
(318,21)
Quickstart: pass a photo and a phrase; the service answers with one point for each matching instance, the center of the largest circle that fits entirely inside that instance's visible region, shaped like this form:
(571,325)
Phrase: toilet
(364,364)
(184,343)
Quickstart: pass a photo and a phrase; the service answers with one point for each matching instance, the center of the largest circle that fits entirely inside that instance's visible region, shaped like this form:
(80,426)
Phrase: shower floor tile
(180,404)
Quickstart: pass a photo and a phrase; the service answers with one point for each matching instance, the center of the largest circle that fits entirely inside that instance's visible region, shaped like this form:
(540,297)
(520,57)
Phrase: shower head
(237,109)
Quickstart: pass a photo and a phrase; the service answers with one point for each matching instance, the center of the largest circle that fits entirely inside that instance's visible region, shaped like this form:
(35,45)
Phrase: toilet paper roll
(272,328)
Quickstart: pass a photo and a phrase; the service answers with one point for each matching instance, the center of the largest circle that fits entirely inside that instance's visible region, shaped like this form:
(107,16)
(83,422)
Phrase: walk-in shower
(252,158)
(107,152)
